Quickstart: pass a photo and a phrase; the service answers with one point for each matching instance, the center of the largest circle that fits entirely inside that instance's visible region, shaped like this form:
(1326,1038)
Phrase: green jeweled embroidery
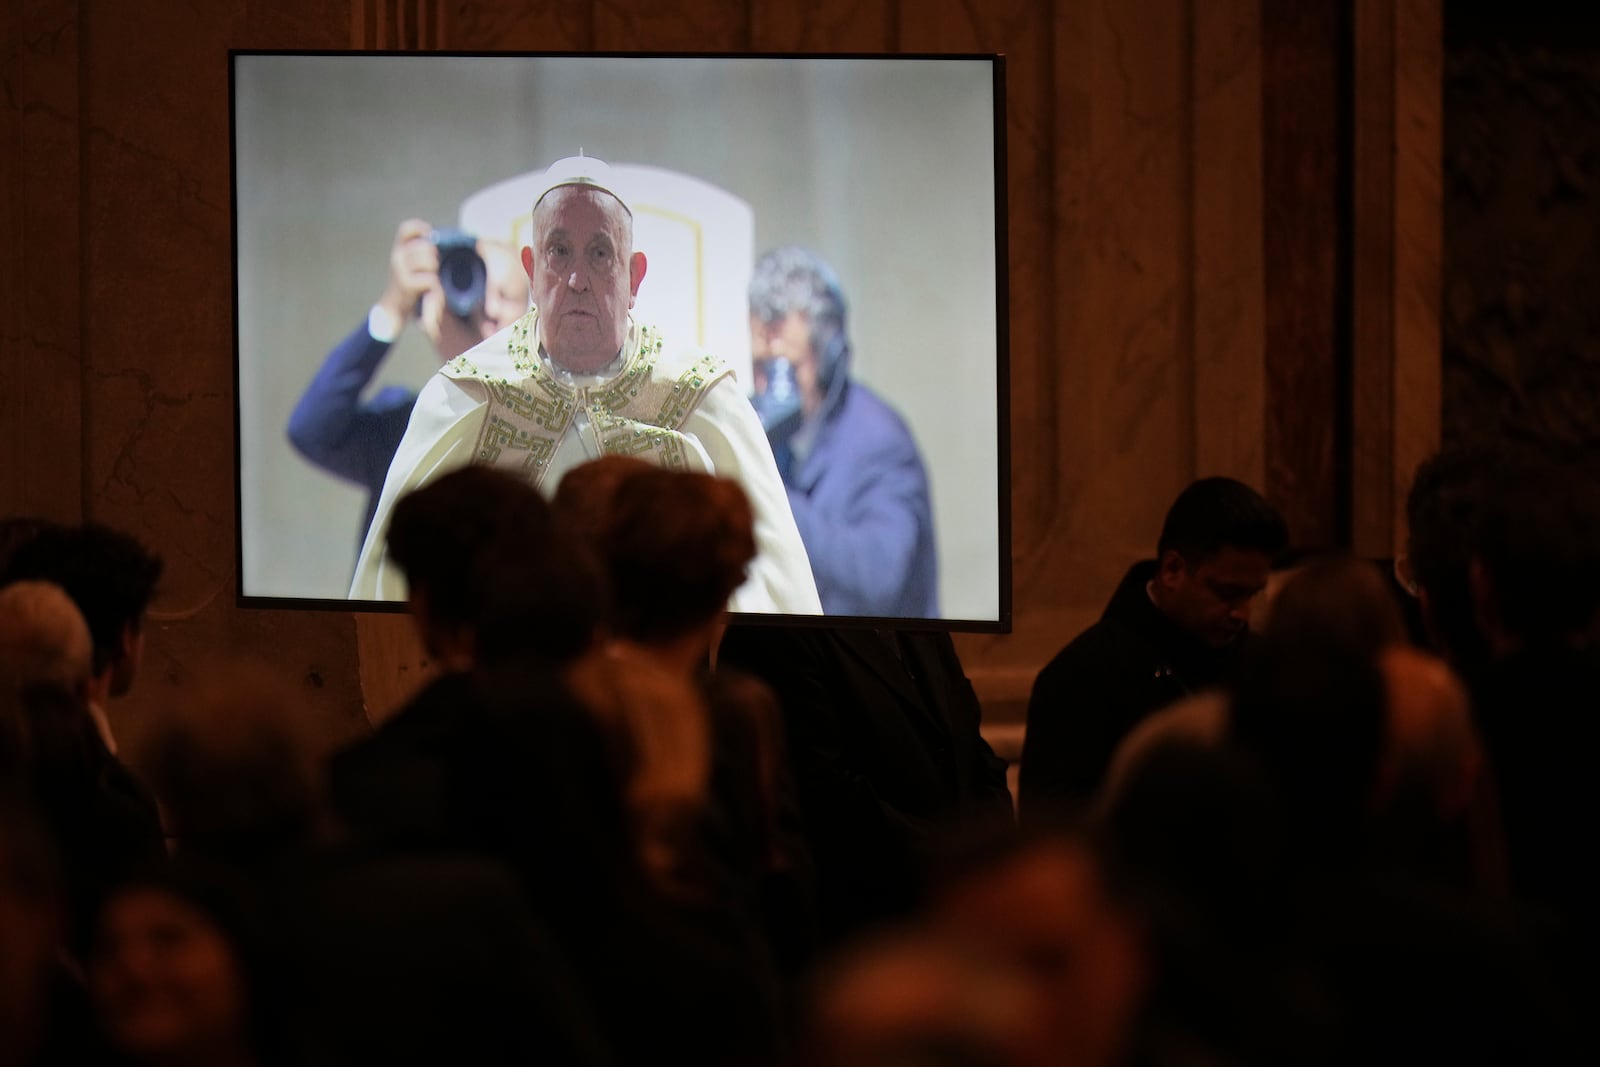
(529,453)
(687,391)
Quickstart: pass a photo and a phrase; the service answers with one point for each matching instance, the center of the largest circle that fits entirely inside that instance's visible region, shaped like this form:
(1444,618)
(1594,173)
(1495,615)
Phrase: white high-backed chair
(698,239)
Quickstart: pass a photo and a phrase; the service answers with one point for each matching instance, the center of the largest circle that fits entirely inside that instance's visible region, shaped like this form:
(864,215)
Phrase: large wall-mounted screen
(818,311)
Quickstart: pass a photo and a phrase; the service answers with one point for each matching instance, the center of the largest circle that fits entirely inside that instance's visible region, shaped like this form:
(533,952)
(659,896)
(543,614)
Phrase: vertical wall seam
(1344,293)
(1187,256)
(85,396)
(1049,322)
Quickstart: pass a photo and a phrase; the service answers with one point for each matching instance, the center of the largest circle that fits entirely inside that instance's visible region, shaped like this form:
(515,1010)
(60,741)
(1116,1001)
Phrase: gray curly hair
(790,279)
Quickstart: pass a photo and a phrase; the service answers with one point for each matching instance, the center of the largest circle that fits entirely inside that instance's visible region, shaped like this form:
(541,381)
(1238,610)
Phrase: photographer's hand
(450,333)
(413,270)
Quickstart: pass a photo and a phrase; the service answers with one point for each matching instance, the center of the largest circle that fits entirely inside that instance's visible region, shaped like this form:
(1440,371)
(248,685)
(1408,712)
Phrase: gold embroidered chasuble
(639,412)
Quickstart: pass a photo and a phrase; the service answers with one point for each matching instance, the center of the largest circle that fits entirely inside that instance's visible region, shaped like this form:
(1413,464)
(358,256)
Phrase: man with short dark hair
(111,577)
(104,819)
(1174,626)
(491,570)
(493,576)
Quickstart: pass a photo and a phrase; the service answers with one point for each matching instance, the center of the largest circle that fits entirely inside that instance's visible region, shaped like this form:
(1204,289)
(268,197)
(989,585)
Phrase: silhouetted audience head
(1205,838)
(43,639)
(1535,561)
(233,768)
(1339,602)
(177,972)
(914,999)
(492,572)
(110,576)
(1310,706)
(1047,905)
(1214,557)
(675,544)
(1443,508)
(586,492)
(1337,615)
(1198,821)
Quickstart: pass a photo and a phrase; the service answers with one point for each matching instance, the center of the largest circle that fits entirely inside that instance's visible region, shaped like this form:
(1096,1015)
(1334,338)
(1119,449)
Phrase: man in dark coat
(881,729)
(1175,626)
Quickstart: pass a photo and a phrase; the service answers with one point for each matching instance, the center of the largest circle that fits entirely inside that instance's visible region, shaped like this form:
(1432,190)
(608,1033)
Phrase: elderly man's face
(584,276)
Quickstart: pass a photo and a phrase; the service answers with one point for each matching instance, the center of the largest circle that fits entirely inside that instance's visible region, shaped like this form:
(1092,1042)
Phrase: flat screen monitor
(821,314)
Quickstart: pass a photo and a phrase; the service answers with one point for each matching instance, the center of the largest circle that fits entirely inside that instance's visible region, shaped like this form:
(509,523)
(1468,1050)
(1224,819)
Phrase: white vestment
(504,403)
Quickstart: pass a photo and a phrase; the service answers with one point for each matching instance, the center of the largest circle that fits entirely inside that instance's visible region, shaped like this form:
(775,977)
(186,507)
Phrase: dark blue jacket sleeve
(333,429)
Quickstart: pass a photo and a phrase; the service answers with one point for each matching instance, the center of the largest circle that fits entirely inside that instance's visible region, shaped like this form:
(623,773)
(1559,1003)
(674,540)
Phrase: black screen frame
(1002,624)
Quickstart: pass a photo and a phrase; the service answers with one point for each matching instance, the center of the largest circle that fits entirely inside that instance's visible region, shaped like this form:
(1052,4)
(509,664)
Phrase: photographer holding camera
(460,290)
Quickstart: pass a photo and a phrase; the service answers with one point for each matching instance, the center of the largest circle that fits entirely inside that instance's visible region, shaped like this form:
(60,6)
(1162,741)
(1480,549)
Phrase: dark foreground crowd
(1276,807)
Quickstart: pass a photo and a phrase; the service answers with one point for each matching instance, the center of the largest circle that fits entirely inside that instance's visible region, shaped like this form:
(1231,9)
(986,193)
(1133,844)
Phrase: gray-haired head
(43,638)
(794,279)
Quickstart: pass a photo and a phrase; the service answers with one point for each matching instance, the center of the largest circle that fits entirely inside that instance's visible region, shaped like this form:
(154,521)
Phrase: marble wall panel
(401,25)
(1227,282)
(1521,325)
(1398,218)
(823,26)
(1373,310)
(537,26)
(1419,240)
(41,368)
(1301,204)
(671,26)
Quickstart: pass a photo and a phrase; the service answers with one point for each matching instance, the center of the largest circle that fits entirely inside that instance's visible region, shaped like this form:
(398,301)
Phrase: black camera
(462,273)
(778,404)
